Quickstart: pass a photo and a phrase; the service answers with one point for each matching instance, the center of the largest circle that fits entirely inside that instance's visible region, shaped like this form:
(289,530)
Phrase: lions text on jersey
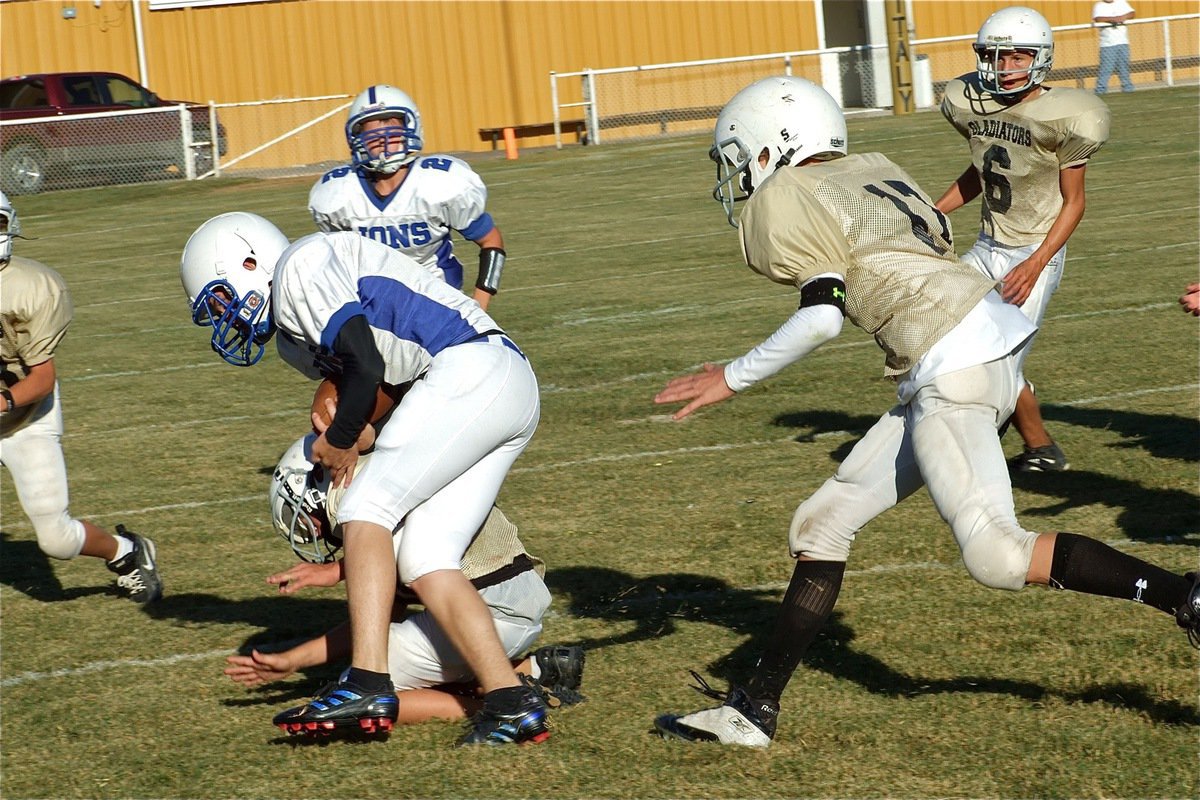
(440,193)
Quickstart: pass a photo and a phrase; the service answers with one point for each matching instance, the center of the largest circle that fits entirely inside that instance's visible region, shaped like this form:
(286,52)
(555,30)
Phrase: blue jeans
(1114,57)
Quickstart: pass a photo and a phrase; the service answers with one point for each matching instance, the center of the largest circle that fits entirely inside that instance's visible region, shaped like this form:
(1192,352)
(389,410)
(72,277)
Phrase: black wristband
(9,404)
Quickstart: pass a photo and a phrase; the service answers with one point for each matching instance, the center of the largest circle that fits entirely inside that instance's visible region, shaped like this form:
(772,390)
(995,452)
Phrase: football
(385,400)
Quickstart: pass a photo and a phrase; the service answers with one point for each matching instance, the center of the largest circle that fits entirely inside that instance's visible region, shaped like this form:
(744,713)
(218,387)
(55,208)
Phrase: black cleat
(561,674)
(1049,458)
(522,722)
(137,570)
(1188,614)
(341,707)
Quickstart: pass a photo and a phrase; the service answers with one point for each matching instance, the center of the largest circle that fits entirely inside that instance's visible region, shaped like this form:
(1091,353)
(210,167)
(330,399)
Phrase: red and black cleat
(341,707)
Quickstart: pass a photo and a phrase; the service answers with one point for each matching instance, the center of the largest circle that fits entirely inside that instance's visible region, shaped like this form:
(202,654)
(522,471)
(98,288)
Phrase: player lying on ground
(431,679)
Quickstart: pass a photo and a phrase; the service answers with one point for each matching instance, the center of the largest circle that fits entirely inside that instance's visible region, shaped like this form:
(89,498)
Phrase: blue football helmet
(396,144)
(226,270)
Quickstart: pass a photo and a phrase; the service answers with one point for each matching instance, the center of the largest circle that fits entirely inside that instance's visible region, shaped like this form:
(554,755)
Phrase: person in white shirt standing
(1110,16)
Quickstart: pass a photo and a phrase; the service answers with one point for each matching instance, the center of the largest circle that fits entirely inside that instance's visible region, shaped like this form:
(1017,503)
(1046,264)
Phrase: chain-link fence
(664,99)
(261,138)
(116,147)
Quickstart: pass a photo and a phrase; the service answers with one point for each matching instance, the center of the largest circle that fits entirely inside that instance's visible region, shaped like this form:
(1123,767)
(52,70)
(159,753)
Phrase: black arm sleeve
(362,372)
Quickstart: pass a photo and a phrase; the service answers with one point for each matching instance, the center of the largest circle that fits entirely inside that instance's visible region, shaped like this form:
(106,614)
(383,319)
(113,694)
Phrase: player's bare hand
(701,388)
(305,574)
(366,439)
(1191,300)
(259,668)
(340,463)
(1019,282)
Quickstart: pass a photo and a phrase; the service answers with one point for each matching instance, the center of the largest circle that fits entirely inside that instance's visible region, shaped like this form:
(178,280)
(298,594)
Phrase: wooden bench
(496,135)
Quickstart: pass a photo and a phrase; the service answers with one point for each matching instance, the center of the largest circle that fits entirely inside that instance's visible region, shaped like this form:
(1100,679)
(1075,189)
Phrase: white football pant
(996,261)
(34,458)
(944,438)
(440,460)
(420,655)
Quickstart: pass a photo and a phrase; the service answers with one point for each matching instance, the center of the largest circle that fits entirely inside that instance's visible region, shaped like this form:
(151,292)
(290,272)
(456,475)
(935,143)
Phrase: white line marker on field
(166,661)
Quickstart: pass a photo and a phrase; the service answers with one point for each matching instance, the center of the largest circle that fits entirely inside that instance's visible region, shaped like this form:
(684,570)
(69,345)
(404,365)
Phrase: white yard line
(167,661)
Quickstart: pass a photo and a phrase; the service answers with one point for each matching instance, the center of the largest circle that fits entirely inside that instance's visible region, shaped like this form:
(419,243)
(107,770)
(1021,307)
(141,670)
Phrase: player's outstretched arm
(701,388)
(491,263)
(304,574)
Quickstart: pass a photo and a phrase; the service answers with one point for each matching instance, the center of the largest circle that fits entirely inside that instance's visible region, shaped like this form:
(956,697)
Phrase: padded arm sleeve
(362,372)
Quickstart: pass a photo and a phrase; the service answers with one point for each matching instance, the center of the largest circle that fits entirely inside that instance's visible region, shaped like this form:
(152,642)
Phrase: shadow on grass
(25,568)
(285,622)
(653,605)
(1144,512)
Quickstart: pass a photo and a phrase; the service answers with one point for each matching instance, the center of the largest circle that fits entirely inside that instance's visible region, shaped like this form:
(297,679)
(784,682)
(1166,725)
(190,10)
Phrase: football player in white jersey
(351,309)
(35,310)
(431,679)
(1030,145)
(858,238)
(393,194)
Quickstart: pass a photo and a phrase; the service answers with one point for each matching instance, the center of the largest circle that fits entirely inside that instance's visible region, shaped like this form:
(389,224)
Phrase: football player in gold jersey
(1030,145)
(35,311)
(859,239)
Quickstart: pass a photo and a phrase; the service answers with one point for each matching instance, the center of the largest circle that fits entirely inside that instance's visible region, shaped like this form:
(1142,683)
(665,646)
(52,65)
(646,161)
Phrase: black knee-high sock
(807,604)
(1086,565)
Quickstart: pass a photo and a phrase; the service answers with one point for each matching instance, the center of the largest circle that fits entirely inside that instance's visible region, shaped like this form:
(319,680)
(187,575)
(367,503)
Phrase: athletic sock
(369,682)
(1081,564)
(807,604)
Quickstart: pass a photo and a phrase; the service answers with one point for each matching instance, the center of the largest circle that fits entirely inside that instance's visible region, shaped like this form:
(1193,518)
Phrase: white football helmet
(1013,28)
(10,227)
(399,144)
(226,269)
(298,505)
(792,119)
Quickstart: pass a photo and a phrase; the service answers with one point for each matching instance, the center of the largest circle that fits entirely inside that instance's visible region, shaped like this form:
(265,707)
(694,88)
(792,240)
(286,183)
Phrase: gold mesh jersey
(1019,149)
(864,218)
(494,546)
(35,310)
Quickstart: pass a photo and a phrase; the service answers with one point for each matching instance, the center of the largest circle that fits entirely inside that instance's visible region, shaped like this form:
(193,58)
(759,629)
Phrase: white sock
(124,547)
(535,669)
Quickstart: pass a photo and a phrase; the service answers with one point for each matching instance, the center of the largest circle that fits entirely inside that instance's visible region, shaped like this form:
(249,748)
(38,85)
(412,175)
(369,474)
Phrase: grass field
(665,542)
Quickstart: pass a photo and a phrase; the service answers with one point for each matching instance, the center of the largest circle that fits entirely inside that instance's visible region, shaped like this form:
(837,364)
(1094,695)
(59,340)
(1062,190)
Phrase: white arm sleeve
(805,331)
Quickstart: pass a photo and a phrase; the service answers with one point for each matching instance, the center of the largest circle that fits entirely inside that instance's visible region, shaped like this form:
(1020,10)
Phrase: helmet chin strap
(785,159)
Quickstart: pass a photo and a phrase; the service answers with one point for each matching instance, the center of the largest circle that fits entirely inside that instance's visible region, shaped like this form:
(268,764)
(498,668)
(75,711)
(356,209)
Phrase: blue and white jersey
(440,193)
(324,279)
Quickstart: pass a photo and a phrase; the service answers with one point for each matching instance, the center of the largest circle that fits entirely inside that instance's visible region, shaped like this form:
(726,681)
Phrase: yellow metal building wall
(467,64)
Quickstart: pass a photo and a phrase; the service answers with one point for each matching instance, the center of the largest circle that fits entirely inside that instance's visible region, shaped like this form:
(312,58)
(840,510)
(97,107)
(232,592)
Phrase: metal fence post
(557,115)
(186,139)
(1167,51)
(215,135)
(589,100)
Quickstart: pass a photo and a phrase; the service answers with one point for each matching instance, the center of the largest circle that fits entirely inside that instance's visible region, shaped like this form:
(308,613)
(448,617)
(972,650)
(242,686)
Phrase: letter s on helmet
(226,270)
(791,118)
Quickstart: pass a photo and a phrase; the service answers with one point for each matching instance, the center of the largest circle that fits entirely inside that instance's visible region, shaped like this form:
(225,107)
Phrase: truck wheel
(23,169)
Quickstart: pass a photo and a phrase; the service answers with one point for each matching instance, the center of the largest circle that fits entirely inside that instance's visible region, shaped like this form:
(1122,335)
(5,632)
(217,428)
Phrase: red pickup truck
(44,144)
